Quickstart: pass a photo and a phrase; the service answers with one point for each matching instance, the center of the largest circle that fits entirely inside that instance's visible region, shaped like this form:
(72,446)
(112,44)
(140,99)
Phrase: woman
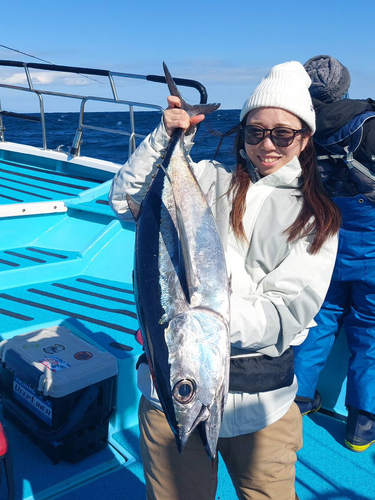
(279,231)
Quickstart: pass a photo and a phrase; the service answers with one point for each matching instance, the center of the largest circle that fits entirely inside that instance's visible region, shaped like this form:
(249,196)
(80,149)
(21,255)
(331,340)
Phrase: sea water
(61,129)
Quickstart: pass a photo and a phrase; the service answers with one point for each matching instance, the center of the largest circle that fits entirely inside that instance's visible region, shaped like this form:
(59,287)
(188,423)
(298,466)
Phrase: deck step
(98,205)
(18,258)
(103,310)
(20,183)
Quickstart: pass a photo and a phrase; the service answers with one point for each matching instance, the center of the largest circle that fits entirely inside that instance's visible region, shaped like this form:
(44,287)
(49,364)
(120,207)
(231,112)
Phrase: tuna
(182,294)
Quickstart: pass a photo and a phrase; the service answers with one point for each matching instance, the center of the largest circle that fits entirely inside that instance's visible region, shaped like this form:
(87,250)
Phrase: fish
(182,293)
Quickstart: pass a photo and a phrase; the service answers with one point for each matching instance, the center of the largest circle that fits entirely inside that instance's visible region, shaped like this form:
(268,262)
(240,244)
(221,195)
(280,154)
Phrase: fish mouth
(210,428)
(209,435)
(182,437)
(206,423)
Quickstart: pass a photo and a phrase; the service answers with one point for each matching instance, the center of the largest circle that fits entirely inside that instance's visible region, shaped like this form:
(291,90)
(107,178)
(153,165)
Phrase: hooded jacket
(277,286)
(339,180)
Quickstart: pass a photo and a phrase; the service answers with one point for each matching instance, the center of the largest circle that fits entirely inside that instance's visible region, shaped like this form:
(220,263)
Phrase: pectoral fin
(134,207)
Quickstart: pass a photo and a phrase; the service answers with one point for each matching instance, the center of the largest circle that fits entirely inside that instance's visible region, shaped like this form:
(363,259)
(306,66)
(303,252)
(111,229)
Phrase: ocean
(61,129)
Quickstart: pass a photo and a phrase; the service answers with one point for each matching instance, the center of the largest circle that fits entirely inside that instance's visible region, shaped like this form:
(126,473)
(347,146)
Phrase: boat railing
(75,148)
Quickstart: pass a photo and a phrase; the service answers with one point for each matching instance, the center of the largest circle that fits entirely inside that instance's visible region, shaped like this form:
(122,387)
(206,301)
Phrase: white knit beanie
(287,87)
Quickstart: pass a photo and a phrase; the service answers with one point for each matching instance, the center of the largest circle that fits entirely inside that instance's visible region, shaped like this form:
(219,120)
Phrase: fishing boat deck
(110,320)
(325,469)
(22,183)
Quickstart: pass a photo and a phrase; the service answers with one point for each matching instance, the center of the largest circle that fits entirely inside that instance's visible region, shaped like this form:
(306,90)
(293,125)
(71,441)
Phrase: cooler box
(60,390)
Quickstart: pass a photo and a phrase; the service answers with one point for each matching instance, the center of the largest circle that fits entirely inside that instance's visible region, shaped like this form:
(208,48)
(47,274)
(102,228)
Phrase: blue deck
(325,469)
(104,307)
(23,183)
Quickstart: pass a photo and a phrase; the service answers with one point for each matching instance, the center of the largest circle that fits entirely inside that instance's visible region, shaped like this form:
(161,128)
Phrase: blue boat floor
(17,258)
(101,310)
(22,183)
(325,469)
(37,477)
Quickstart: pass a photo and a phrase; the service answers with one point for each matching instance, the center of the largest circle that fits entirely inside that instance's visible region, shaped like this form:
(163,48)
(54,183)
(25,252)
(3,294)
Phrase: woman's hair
(319,215)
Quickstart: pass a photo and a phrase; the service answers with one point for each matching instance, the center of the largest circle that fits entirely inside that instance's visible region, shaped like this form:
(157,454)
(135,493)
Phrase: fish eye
(184,391)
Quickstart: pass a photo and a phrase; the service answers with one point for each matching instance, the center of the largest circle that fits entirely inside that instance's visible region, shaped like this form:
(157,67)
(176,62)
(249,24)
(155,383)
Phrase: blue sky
(227,45)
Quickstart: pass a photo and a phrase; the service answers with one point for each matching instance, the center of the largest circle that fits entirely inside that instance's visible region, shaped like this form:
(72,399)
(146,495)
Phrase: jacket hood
(331,117)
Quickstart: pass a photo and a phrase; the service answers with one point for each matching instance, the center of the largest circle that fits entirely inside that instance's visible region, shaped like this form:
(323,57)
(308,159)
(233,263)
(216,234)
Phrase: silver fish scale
(208,281)
(169,257)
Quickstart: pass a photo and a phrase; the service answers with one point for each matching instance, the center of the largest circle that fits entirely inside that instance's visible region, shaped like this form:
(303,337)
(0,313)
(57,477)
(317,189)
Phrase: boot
(308,405)
(360,430)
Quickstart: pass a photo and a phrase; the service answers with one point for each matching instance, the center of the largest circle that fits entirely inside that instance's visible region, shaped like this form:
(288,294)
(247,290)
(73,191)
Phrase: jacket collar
(288,175)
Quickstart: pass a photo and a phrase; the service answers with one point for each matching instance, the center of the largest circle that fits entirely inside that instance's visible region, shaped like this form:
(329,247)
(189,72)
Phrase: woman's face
(265,156)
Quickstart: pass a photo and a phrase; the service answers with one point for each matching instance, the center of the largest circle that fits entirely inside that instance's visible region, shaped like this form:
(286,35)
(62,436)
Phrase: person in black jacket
(345,145)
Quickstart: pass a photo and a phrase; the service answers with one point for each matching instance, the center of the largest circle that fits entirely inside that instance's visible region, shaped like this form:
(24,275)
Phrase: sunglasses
(281,137)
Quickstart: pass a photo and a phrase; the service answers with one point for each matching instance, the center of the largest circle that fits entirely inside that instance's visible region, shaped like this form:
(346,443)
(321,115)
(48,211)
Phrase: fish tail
(192,110)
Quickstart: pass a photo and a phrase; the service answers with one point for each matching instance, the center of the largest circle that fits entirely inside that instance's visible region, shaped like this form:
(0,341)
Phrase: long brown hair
(319,215)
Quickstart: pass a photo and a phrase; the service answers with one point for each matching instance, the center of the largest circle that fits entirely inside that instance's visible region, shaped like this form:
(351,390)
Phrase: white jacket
(277,286)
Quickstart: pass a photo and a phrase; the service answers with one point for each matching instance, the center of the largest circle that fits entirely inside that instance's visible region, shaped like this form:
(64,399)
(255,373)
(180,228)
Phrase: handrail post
(132,143)
(75,150)
(41,104)
(42,119)
(2,128)
(113,87)
(28,76)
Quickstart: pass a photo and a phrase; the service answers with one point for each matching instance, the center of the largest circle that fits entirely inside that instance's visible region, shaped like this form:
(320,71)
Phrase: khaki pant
(261,464)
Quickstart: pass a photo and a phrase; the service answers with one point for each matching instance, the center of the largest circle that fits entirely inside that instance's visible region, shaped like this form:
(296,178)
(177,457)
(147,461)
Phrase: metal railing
(77,141)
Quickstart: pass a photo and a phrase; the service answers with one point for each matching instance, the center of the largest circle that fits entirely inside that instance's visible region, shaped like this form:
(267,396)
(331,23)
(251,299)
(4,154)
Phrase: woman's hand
(175,117)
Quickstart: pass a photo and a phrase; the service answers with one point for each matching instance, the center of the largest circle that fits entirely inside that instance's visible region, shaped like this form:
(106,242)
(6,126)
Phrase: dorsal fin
(171,85)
